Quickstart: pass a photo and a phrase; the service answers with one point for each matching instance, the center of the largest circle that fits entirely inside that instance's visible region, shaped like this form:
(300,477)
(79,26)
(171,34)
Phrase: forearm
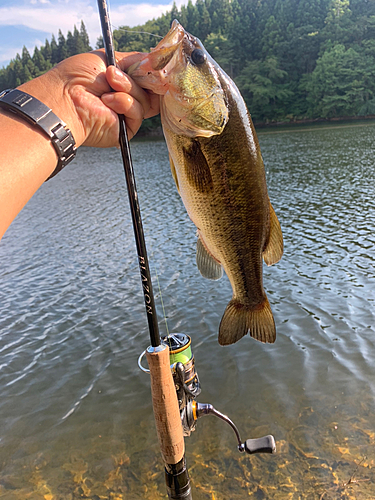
(78,91)
(27,154)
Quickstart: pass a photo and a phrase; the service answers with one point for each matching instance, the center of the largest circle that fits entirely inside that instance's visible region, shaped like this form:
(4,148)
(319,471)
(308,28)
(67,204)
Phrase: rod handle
(165,405)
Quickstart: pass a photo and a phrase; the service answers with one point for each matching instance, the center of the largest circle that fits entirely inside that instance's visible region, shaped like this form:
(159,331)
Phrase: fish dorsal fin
(207,265)
(174,173)
(274,249)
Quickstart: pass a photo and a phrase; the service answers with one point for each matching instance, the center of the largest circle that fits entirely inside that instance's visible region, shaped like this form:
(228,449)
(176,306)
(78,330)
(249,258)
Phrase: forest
(24,67)
(291,59)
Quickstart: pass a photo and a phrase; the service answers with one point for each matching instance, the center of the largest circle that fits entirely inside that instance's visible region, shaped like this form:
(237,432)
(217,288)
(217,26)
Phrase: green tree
(84,38)
(264,89)
(28,66)
(220,48)
(62,49)
(300,58)
(17,71)
(174,14)
(272,37)
(46,51)
(342,83)
(55,51)
(40,64)
(79,45)
(221,15)
(204,21)
(339,23)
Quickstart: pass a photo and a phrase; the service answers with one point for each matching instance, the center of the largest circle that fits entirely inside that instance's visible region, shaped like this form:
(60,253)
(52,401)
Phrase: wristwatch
(37,113)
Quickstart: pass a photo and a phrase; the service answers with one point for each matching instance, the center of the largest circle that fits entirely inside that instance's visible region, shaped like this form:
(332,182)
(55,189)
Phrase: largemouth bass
(218,169)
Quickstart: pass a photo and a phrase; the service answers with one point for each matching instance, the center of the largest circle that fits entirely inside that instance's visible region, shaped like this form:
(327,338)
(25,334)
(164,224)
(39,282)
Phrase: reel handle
(264,444)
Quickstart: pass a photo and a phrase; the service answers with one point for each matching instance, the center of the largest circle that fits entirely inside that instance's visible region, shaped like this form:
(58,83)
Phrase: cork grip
(165,404)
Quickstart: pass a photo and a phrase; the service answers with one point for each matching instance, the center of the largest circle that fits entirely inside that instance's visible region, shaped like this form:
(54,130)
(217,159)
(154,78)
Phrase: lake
(76,418)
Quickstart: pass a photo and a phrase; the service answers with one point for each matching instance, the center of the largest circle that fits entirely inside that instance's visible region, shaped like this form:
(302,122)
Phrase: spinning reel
(188,388)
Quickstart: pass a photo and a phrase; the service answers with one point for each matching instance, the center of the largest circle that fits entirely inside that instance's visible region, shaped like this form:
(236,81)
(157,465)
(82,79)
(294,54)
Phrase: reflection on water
(75,410)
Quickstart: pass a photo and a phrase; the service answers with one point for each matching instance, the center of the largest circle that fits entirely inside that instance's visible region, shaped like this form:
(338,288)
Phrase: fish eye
(198,56)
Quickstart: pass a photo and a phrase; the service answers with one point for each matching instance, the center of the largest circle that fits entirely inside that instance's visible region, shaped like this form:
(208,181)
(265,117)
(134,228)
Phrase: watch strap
(38,114)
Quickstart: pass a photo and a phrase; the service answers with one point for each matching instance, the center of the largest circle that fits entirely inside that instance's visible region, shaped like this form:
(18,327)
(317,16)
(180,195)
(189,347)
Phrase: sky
(30,22)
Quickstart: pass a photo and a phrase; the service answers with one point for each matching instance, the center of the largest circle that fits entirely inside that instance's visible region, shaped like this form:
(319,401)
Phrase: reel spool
(184,374)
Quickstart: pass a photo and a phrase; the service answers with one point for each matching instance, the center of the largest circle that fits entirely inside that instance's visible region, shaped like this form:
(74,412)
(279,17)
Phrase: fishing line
(162,302)
(140,32)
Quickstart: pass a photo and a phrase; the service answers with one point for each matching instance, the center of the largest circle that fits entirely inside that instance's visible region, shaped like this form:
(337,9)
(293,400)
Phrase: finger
(125,60)
(154,104)
(125,104)
(121,82)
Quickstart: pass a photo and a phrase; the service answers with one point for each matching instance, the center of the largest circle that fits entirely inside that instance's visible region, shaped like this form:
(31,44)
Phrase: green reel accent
(179,348)
(182,357)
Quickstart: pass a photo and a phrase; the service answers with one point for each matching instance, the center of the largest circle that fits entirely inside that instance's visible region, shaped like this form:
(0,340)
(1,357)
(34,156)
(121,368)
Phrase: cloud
(9,52)
(43,15)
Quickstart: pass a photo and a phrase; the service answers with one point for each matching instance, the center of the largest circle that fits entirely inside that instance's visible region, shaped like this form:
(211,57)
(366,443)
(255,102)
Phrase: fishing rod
(174,380)
(164,397)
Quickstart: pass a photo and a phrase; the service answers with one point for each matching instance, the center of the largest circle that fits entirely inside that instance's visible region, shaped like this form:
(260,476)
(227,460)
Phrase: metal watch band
(37,113)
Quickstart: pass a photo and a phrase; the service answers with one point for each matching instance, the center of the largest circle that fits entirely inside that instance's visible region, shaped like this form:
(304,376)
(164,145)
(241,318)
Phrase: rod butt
(178,481)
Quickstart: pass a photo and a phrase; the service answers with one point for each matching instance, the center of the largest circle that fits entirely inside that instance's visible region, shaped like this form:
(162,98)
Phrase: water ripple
(72,319)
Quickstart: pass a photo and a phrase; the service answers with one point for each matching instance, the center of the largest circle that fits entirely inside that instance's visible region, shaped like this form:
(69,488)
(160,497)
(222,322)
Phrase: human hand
(78,90)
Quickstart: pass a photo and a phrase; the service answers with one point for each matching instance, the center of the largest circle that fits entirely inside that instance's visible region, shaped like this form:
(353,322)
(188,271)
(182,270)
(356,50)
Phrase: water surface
(75,410)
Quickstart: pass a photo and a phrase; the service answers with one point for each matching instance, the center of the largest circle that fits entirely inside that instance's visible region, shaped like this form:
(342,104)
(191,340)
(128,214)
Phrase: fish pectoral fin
(275,247)
(239,319)
(174,173)
(197,168)
(209,267)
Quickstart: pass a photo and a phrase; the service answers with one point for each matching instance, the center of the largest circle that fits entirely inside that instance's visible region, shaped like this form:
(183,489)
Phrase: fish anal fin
(208,266)
(275,247)
(239,319)
(174,173)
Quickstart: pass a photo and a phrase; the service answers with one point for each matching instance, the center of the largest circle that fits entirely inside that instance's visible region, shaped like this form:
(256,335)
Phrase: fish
(219,172)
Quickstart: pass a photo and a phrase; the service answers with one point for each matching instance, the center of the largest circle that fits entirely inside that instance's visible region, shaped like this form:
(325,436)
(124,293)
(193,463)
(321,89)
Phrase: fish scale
(218,168)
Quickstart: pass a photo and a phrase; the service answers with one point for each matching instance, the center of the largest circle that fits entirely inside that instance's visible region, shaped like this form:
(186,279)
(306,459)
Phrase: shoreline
(311,121)
(157,133)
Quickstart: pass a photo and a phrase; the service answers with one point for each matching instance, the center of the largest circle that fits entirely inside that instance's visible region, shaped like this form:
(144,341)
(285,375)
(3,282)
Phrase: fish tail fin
(239,319)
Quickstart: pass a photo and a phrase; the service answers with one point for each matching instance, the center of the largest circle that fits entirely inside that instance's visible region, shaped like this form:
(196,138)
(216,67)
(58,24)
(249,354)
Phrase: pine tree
(79,45)
(41,65)
(62,49)
(55,55)
(204,22)
(46,51)
(70,44)
(290,58)
(28,66)
(84,38)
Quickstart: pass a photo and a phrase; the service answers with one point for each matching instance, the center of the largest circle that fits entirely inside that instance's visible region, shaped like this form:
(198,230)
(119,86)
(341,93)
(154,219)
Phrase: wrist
(51,91)
(41,117)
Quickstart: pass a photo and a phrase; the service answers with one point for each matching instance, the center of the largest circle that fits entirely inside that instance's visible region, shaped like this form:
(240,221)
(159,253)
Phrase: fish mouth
(193,102)
(153,66)
(154,70)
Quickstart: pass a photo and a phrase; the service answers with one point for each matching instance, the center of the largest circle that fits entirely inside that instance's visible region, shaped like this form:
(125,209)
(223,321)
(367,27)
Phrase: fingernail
(108,98)
(119,75)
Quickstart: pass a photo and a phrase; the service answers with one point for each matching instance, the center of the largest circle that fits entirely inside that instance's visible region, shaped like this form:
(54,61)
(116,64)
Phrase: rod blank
(132,191)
